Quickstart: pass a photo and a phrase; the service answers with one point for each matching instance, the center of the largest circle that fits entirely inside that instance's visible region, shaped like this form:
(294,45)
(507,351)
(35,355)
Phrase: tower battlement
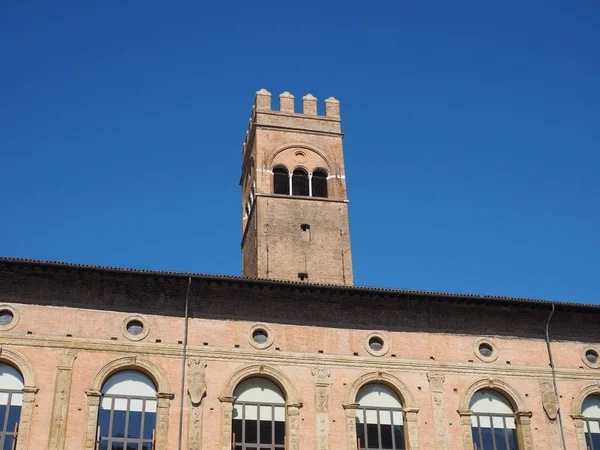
(286,116)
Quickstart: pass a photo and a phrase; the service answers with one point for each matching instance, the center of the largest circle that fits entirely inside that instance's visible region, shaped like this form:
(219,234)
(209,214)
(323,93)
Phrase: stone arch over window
(522,414)
(409,409)
(292,404)
(579,420)
(277,154)
(163,395)
(22,365)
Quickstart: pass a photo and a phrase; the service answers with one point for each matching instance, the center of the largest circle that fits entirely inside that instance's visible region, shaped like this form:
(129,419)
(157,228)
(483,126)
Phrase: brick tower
(294,204)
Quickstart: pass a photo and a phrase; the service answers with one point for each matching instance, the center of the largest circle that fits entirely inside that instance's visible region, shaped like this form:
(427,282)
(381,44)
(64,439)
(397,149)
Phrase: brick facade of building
(69,332)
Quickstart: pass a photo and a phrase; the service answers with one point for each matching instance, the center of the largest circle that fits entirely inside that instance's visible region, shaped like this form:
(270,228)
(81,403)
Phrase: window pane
(279,432)
(149,424)
(117,446)
(237,430)
(265,432)
(596,440)
(399,436)
(500,439)
(486,434)
(103,445)
(103,420)
(2,416)
(282,183)
(360,431)
(146,446)
(135,425)
(132,446)
(251,431)
(319,184)
(8,442)
(372,435)
(118,424)
(14,414)
(512,439)
(386,437)
(299,183)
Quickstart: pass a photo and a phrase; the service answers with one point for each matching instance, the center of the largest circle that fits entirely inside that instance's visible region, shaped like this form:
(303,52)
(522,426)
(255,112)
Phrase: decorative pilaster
(465,423)
(322,407)
(162,420)
(578,421)
(350,411)
(226,420)
(523,419)
(293,429)
(93,401)
(62,394)
(26,415)
(411,428)
(196,391)
(550,404)
(436,386)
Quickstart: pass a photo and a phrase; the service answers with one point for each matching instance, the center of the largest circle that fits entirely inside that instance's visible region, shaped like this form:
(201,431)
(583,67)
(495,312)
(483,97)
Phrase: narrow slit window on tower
(300,182)
(305,226)
(281,181)
(319,183)
(303,276)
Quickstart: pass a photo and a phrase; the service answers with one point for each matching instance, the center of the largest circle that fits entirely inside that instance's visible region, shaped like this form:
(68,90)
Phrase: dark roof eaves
(316,286)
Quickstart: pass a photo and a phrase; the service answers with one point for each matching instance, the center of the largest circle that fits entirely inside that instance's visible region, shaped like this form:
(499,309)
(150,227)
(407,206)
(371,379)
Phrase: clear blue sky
(472,134)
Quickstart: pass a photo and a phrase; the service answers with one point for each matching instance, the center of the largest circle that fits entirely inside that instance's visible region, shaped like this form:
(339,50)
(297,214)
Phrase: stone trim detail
(409,409)
(163,395)
(584,350)
(578,419)
(291,398)
(62,395)
(322,387)
(300,145)
(551,407)
(270,336)
(436,387)
(30,389)
(196,391)
(488,359)
(384,339)
(16,316)
(522,414)
(133,337)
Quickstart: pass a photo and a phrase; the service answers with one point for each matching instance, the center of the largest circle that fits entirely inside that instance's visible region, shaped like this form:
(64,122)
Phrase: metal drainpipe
(562,429)
(185,340)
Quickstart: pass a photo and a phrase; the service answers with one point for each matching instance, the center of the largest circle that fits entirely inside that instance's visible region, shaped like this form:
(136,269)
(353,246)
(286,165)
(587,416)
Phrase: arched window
(11,399)
(258,415)
(379,423)
(127,416)
(281,181)
(300,182)
(319,183)
(591,413)
(493,421)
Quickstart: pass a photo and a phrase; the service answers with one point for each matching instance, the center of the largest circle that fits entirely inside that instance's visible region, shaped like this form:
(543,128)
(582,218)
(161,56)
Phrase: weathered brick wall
(313,327)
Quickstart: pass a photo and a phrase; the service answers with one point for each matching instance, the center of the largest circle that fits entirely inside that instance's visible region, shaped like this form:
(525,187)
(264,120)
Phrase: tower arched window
(493,421)
(281,181)
(319,183)
(127,415)
(379,422)
(300,183)
(11,400)
(591,414)
(258,415)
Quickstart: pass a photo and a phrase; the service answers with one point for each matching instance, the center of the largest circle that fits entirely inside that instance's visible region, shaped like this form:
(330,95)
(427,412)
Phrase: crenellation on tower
(309,105)
(293,179)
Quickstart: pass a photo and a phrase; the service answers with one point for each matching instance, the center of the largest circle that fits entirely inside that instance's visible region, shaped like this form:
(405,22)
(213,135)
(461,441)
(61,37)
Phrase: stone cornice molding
(386,378)
(292,358)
